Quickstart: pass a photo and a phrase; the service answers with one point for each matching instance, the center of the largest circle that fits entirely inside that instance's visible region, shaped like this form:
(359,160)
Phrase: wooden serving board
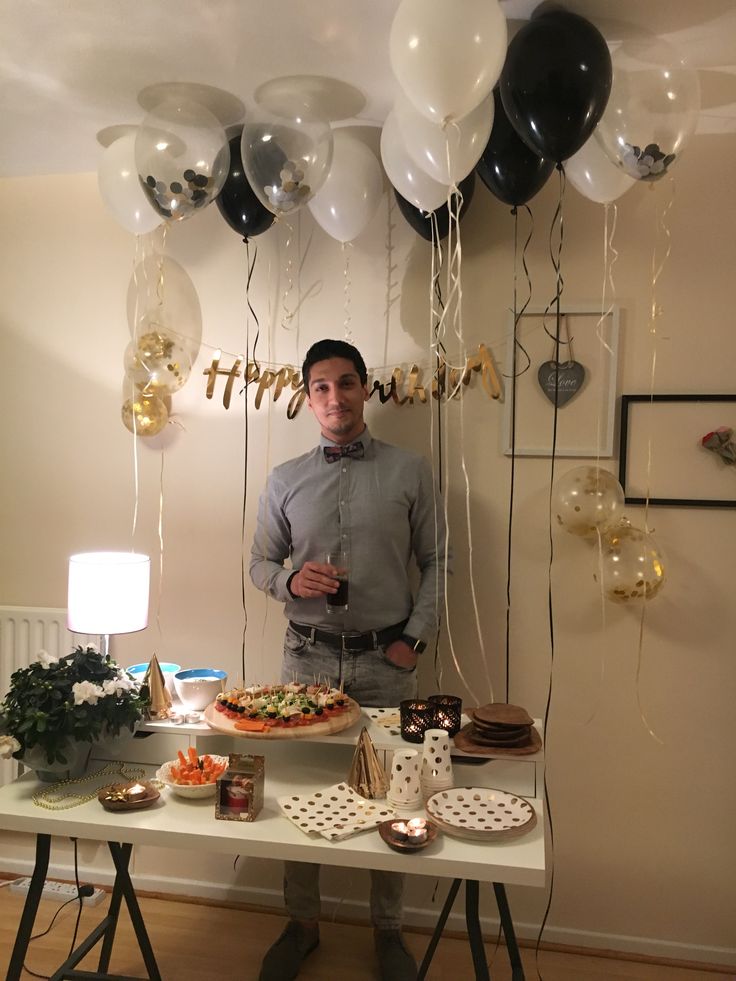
(336,723)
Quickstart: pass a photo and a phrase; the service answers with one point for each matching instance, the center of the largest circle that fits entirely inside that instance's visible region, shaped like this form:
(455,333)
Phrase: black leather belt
(352,642)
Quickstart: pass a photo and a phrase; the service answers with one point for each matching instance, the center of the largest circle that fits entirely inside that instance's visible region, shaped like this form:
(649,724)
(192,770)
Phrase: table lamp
(108,594)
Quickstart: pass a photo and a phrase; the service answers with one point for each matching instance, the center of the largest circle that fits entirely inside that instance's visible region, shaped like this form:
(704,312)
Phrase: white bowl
(188,790)
(197,687)
(168,669)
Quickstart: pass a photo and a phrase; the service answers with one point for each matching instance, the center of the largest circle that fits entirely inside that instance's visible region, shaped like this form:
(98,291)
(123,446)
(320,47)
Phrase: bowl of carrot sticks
(191,775)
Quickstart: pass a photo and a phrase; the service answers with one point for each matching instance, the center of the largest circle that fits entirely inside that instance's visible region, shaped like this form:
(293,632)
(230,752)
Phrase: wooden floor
(213,943)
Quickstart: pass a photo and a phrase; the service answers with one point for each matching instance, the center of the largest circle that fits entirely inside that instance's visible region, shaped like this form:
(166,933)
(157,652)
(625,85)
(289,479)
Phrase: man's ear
(366,393)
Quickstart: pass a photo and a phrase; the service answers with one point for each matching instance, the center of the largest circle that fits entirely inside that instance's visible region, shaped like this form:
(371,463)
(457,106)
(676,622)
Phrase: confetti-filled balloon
(286,156)
(632,565)
(182,157)
(158,364)
(588,500)
(145,415)
(653,108)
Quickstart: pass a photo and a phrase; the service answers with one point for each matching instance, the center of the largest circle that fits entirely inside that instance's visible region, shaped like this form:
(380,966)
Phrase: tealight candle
(400,830)
(417,830)
(135,791)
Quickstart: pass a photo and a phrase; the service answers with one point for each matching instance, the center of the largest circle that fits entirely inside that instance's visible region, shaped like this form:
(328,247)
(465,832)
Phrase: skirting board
(351,909)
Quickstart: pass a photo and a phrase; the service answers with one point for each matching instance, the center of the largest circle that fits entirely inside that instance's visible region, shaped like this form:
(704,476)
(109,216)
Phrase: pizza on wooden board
(260,709)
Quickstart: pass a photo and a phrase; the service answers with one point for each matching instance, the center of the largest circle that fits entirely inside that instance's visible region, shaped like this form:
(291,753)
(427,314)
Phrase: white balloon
(447,54)
(592,172)
(352,192)
(120,189)
(410,181)
(448,153)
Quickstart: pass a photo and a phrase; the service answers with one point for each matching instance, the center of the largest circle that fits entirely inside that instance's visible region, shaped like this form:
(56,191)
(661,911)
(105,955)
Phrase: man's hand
(401,654)
(314,579)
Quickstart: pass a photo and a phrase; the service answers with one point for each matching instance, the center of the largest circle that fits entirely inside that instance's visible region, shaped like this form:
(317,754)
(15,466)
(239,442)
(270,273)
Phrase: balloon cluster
(588,502)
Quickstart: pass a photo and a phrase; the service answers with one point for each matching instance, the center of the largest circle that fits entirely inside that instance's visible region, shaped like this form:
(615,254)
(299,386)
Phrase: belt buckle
(345,638)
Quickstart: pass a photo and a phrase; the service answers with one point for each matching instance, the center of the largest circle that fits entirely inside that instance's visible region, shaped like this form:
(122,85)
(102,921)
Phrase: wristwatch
(416,645)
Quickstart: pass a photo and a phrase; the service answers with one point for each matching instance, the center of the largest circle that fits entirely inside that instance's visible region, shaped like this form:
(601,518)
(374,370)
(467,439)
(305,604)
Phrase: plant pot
(77,756)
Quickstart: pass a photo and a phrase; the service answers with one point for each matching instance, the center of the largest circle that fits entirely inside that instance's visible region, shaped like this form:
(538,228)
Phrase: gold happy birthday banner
(446,381)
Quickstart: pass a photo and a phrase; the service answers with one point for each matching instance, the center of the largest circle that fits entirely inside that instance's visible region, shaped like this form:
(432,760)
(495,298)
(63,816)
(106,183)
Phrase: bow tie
(335,453)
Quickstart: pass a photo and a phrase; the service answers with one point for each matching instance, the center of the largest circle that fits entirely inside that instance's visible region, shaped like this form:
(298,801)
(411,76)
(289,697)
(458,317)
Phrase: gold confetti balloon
(632,566)
(588,500)
(158,364)
(145,415)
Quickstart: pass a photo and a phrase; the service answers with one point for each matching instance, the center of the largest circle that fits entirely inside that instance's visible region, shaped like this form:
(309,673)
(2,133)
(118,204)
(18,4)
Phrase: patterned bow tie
(335,453)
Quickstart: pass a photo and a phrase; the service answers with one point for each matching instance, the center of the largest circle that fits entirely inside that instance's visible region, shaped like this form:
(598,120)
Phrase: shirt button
(344,469)
(342,502)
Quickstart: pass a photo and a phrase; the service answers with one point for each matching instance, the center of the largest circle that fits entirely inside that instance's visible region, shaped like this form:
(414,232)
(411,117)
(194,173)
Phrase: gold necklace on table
(57,798)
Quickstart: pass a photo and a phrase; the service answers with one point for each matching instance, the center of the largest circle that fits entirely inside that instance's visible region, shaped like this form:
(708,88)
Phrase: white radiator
(24,631)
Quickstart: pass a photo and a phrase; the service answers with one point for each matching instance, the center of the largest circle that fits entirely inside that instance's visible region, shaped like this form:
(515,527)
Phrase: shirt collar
(365,438)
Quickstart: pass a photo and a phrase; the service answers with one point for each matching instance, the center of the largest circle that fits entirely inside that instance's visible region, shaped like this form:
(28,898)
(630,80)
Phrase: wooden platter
(336,723)
(464,743)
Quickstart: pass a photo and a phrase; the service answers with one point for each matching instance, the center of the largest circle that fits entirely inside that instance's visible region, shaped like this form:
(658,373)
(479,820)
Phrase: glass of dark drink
(340,559)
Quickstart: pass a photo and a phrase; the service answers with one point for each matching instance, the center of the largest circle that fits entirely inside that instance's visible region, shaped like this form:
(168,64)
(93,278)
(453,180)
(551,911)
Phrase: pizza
(260,708)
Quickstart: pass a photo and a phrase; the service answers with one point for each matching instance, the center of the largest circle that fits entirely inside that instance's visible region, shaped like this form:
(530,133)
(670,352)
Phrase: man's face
(336,397)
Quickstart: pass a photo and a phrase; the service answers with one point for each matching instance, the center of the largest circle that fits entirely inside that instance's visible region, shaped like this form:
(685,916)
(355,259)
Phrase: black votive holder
(416,717)
(448,712)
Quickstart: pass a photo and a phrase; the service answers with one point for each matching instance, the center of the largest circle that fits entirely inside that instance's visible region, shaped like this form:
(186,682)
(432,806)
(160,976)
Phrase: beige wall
(643,828)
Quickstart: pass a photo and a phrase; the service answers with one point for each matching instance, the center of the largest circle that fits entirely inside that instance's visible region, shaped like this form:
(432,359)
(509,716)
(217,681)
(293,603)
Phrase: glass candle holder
(416,717)
(448,712)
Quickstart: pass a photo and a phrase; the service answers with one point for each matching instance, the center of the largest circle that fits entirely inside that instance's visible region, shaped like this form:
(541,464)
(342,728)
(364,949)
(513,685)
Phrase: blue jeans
(371,680)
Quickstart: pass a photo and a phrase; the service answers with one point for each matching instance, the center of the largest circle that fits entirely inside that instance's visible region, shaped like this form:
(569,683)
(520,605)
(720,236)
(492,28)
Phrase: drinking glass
(338,602)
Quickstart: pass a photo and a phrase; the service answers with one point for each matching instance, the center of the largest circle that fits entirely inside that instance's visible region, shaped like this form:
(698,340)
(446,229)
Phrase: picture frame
(585,424)
(682,473)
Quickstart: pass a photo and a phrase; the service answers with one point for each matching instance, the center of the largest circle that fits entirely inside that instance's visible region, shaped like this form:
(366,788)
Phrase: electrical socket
(60,892)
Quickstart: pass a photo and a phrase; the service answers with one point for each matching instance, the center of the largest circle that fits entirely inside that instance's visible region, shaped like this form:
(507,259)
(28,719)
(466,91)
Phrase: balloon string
(515,346)
(136,474)
(346,289)
(288,315)
(390,270)
(160,548)
(661,227)
(435,303)
(556,256)
(250,266)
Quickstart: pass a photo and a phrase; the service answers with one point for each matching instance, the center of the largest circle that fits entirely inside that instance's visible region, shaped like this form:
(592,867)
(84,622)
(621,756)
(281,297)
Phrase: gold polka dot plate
(481,813)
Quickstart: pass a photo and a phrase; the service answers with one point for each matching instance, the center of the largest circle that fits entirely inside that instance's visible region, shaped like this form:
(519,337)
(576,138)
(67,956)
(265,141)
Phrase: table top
(175,822)
(383,738)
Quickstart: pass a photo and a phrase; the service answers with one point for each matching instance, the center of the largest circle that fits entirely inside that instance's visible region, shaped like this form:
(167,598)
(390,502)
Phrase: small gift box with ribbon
(240,788)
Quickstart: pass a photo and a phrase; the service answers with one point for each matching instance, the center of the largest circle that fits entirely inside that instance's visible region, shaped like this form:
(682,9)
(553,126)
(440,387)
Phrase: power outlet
(59,892)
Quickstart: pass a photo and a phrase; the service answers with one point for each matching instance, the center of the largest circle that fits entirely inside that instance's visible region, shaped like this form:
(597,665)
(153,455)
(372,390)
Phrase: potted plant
(56,704)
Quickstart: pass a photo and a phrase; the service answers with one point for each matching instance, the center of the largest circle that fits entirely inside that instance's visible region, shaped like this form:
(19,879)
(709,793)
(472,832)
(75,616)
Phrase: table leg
(30,908)
(475,934)
(507,925)
(121,858)
(429,954)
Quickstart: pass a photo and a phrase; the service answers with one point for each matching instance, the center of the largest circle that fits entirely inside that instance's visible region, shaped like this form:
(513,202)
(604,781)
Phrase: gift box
(240,788)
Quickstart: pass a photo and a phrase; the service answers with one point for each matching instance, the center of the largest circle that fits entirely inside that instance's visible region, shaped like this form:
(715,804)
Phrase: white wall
(642,827)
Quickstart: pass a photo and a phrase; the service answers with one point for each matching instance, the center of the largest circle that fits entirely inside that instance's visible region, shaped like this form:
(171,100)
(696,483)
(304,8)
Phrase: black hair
(323,350)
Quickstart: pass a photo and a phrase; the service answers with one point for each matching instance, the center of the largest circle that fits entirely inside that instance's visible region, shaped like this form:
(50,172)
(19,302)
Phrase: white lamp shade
(108,592)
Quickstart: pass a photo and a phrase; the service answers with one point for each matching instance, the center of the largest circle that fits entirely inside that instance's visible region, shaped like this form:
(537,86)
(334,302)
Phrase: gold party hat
(159,700)
(366,776)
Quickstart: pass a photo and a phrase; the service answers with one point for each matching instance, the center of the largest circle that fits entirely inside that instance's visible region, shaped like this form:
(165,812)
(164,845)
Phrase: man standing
(377,502)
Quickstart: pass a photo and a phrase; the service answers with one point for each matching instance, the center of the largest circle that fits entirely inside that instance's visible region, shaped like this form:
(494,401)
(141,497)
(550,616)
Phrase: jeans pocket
(294,643)
(392,664)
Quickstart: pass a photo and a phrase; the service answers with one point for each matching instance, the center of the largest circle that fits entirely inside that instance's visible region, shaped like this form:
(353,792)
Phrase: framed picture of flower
(678,450)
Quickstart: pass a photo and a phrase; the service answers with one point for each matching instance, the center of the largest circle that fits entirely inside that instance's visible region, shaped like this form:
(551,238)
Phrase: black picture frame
(658,402)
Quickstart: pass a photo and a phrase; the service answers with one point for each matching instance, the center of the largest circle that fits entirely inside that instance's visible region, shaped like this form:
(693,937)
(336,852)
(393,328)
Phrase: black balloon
(421,221)
(555,83)
(508,168)
(238,205)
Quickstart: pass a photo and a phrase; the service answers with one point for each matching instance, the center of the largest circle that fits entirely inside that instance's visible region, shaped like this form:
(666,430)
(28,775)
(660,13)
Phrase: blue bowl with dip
(197,687)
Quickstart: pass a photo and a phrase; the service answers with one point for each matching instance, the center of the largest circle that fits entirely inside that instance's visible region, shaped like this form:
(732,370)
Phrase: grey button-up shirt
(382,509)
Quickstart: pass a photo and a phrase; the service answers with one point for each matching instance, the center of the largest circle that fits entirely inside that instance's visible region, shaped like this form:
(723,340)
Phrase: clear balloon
(588,500)
(120,188)
(632,564)
(595,176)
(182,156)
(446,55)
(161,292)
(652,110)
(447,153)
(145,415)
(412,183)
(350,196)
(286,156)
(158,363)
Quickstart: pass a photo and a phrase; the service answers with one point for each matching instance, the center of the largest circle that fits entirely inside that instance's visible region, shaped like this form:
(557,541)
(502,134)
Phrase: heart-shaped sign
(561,381)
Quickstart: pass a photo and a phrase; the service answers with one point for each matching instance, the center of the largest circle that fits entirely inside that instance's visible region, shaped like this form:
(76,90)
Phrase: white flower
(8,746)
(109,687)
(46,660)
(86,691)
(123,682)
